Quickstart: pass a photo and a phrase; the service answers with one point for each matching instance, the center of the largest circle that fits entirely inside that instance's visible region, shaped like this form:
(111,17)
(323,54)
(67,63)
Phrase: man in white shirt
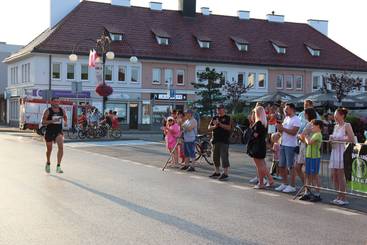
(289,130)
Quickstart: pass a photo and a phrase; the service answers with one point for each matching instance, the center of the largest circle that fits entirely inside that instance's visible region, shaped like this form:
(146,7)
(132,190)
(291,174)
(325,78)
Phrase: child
(172,132)
(313,159)
(275,139)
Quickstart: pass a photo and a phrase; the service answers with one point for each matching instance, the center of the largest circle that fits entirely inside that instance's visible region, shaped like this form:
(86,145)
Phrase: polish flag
(92,58)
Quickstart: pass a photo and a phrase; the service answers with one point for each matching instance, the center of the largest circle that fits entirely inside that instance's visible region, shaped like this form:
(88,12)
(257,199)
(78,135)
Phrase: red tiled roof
(89,20)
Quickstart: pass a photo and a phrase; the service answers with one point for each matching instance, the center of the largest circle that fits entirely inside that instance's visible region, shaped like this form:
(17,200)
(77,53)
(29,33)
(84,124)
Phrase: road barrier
(355,169)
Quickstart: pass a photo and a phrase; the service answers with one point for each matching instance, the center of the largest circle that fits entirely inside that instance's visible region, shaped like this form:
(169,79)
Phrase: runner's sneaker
(214,175)
(59,170)
(48,168)
(281,187)
(190,169)
(342,203)
(223,177)
(289,189)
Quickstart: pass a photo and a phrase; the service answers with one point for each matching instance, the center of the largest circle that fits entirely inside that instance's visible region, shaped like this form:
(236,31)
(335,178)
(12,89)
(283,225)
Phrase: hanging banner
(359,169)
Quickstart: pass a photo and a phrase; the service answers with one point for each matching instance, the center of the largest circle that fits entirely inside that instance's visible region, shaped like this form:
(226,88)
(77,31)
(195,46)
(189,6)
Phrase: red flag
(92,58)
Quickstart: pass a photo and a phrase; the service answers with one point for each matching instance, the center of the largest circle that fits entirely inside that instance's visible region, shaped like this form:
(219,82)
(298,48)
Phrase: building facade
(5,51)
(172,47)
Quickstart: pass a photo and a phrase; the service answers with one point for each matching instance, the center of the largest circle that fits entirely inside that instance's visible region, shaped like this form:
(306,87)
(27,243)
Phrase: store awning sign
(167,97)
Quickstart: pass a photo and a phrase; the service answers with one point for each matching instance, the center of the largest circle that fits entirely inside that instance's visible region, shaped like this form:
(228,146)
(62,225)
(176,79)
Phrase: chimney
(320,25)
(275,18)
(155,6)
(59,9)
(123,3)
(187,7)
(243,15)
(205,11)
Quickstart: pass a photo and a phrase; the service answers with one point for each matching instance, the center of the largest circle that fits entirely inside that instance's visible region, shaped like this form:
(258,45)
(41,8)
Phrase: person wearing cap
(189,128)
(53,117)
(220,126)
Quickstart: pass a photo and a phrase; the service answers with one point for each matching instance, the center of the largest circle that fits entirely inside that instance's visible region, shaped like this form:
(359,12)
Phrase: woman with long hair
(257,147)
(343,133)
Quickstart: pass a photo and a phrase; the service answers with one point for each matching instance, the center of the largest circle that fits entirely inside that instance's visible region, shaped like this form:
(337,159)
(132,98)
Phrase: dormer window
(162,37)
(115,37)
(203,41)
(313,50)
(279,47)
(241,44)
(162,40)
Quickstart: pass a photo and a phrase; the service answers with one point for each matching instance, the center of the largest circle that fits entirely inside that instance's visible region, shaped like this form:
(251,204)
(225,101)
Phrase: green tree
(342,84)
(208,90)
(234,91)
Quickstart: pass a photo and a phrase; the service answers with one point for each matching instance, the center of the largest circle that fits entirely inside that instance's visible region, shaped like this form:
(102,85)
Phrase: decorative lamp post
(103,49)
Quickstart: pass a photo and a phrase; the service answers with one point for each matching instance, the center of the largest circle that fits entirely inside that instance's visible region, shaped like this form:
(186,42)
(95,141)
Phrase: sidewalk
(8,129)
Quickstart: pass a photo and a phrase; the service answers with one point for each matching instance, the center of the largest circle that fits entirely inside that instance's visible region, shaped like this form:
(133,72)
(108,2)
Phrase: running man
(52,119)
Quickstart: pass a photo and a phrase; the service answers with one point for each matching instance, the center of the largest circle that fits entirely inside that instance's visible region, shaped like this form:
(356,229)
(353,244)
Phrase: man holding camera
(221,127)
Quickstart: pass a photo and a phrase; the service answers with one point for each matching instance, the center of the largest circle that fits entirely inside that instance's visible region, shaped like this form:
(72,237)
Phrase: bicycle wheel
(116,134)
(72,133)
(235,137)
(198,151)
(208,160)
(82,134)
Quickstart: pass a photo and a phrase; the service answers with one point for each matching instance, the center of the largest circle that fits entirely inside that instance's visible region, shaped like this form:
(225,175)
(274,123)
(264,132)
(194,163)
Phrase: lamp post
(103,49)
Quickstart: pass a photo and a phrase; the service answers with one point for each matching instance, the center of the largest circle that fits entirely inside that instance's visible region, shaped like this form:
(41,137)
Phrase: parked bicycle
(203,149)
(236,136)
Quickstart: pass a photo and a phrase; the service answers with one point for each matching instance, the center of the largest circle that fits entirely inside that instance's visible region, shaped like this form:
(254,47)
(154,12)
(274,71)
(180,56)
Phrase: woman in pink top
(172,132)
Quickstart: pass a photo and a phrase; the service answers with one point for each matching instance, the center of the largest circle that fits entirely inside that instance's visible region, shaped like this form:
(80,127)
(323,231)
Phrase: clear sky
(22,20)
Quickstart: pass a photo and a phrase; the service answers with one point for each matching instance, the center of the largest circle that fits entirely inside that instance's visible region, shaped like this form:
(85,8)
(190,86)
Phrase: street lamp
(103,48)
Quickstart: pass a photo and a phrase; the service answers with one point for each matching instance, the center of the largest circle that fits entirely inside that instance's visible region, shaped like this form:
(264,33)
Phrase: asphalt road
(119,195)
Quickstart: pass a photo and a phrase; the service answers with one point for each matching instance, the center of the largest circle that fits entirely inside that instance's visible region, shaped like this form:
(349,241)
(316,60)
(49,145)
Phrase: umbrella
(274,97)
(328,99)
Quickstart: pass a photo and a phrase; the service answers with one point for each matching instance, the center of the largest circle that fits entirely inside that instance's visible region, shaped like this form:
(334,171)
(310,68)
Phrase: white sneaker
(289,189)
(253,180)
(281,187)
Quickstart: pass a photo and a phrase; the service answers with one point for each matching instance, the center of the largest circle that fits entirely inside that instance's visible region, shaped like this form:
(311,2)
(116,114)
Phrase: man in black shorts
(52,119)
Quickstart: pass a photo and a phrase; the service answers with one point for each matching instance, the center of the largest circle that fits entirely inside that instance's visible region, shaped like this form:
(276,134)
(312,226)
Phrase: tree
(342,84)
(234,91)
(208,89)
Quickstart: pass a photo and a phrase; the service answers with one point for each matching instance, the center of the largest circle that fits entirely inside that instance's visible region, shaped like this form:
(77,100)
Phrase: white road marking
(340,211)
(179,173)
(109,143)
(241,187)
(301,202)
(216,182)
(268,194)
(196,177)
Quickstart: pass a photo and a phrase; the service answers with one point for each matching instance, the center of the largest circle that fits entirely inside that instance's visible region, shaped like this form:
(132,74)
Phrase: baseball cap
(170,118)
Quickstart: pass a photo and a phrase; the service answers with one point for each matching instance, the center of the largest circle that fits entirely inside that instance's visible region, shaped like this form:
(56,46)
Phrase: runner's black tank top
(55,127)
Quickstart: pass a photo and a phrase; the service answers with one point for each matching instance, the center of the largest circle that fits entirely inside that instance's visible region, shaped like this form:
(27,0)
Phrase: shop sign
(167,97)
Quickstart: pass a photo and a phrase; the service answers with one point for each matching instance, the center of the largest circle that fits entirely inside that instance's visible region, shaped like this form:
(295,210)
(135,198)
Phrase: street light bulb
(110,55)
(73,58)
(134,59)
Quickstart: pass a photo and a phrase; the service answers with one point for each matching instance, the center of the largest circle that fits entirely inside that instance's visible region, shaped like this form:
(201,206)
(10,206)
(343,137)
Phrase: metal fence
(355,168)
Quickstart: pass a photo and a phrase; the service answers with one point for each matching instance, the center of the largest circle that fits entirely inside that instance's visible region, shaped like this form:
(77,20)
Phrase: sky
(23,20)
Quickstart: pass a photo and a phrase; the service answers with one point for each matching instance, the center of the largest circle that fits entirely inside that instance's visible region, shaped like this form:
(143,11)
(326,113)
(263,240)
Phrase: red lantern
(104,90)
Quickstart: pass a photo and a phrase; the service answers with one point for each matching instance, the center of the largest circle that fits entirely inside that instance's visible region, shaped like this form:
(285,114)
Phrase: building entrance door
(134,112)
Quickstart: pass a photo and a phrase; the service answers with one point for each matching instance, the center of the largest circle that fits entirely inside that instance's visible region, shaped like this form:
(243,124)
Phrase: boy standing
(313,159)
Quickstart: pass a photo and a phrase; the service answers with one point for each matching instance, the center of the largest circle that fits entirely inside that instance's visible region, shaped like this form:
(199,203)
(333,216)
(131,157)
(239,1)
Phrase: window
(70,75)
(204,44)
(14,75)
(147,110)
(84,72)
(23,74)
(162,40)
(316,83)
(261,80)
(288,81)
(279,49)
(56,71)
(198,76)
(116,37)
(14,110)
(298,80)
(108,72)
(240,78)
(156,76)
(122,74)
(279,81)
(251,79)
(135,74)
(121,110)
(168,76)
(225,76)
(180,77)
(242,46)
(314,52)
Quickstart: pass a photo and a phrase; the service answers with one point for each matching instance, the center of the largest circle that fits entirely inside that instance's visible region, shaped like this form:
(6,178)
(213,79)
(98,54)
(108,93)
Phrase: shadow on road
(165,218)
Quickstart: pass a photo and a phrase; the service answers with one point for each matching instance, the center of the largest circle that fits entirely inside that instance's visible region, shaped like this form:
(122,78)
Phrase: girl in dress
(343,133)
(172,132)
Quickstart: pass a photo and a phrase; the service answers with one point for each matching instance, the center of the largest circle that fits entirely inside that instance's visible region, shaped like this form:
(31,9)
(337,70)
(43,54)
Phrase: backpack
(247,136)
